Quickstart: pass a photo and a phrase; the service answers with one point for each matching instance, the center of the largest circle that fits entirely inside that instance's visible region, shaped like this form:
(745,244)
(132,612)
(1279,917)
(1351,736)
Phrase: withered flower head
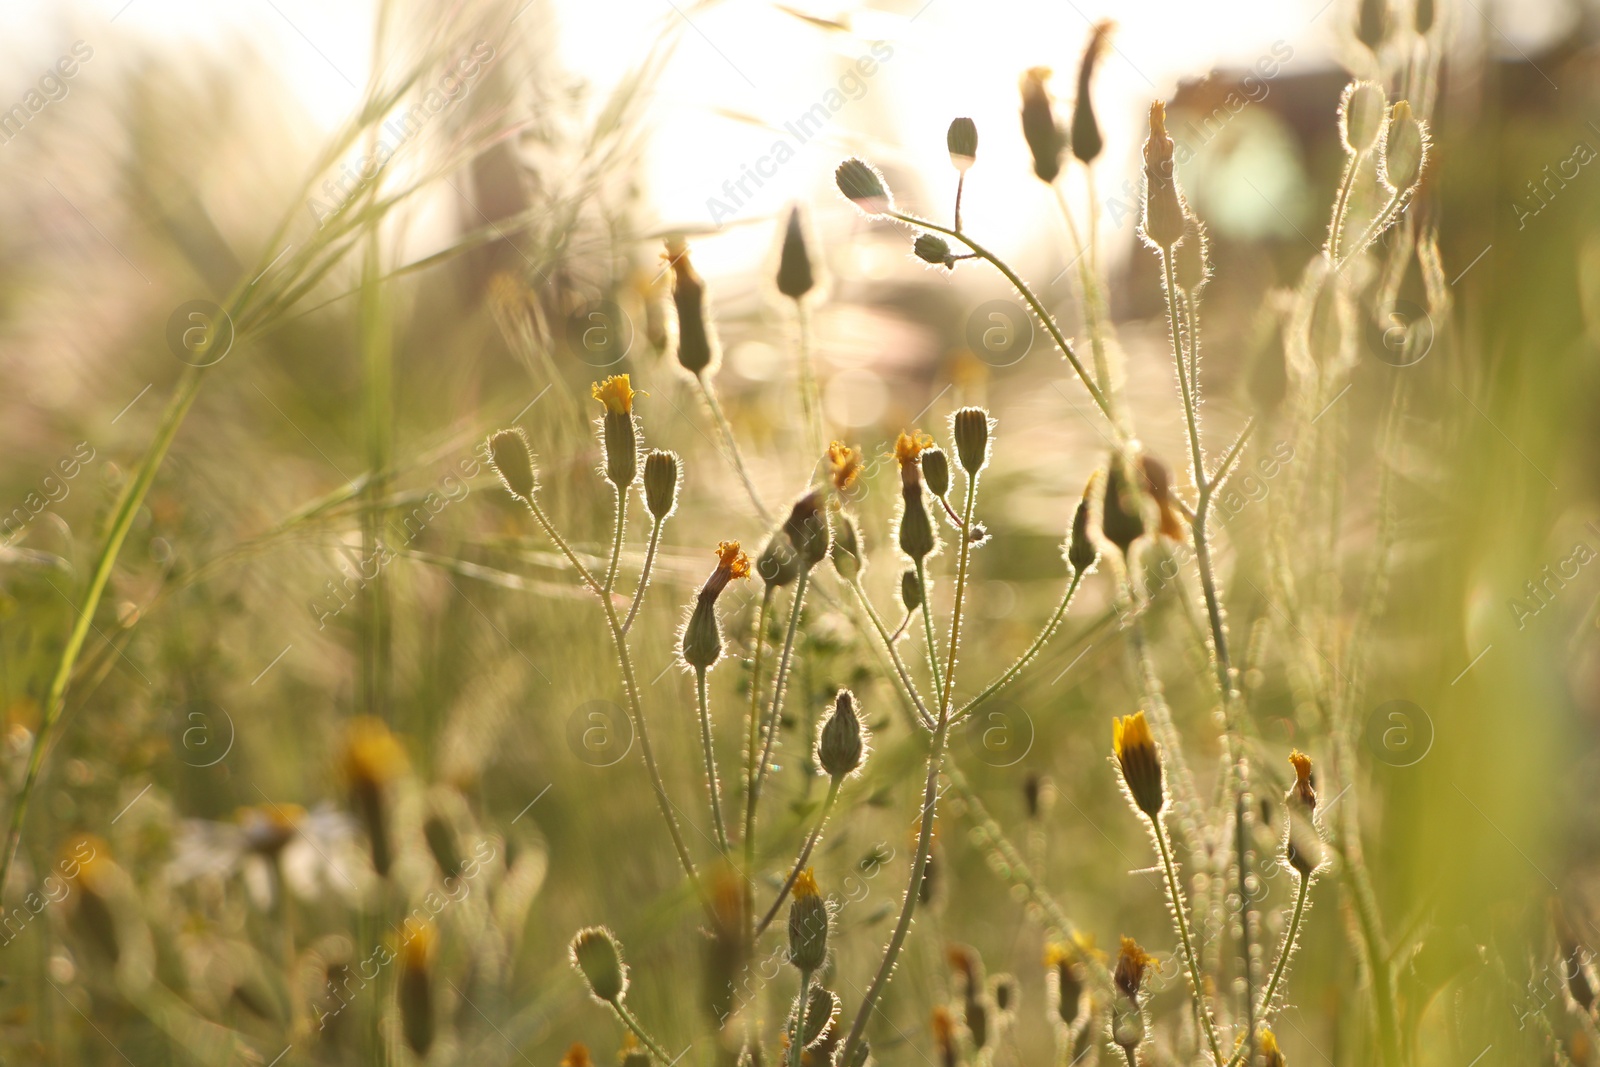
(1039,129)
(908,446)
(1304,790)
(1135,749)
(844,465)
(1086,139)
(1164,209)
(702,635)
(1132,962)
(577,1056)
(1303,847)
(807,529)
(1271,1055)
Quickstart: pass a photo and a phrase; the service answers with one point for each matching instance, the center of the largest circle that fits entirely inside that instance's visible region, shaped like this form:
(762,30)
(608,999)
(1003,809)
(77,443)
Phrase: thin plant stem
(810,397)
(805,854)
(894,656)
(961,185)
(930,796)
(713,786)
(560,542)
(1032,301)
(1341,207)
(1286,950)
(619,529)
(1241,834)
(1185,387)
(638,1031)
(797,1045)
(1033,650)
(751,751)
(1379,223)
(1128,1052)
(731,444)
(1179,911)
(644,574)
(927,629)
(1091,295)
(770,727)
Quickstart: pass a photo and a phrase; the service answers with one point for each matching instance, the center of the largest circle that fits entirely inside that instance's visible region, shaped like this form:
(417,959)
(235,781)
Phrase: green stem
(1341,208)
(1379,223)
(894,656)
(752,748)
(644,574)
(1287,949)
(927,629)
(778,682)
(560,542)
(1033,650)
(1179,910)
(1185,387)
(638,1031)
(128,505)
(1027,295)
(810,397)
(713,785)
(805,854)
(735,457)
(620,527)
(797,1045)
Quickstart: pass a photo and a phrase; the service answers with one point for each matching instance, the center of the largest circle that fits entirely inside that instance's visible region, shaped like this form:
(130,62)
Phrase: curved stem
(560,542)
(805,854)
(638,1031)
(1179,911)
(1341,208)
(735,457)
(1027,295)
(713,785)
(644,574)
(894,656)
(619,527)
(1379,223)
(1287,949)
(1027,657)
(927,629)
(770,728)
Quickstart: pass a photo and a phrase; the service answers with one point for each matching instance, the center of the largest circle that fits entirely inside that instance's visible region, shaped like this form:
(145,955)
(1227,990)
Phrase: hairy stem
(1033,650)
(713,786)
(927,629)
(644,574)
(1180,913)
(775,713)
(638,1031)
(751,751)
(805,854)
(619,528)
(731,444)
(797,1045)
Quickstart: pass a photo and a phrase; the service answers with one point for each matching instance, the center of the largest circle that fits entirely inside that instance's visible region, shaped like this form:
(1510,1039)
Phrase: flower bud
(910,591)
(1081,551)
(1068,985)
(702,634)
(1362,108)
(808,925)
(1302,845)
(1163,203)
(846,550)
(660,482)
(696,341)
(962,140)
(1405,149)
(916,528)
(863,186)
(1372,23)
(844,466)
(936,471)
(512,460)
(372,759)
(1121,517)
(440,835)
(795,278)
(807,528)
(822,1009)
(1191,265)
(931,248)
(617,429)
(632,1055)
(1086,139)
(1135,749)
(971,427)
(840,744)
(1127,1016)
(415,986)
(1422,16)
(598,957)
(1039,127)
(778,565)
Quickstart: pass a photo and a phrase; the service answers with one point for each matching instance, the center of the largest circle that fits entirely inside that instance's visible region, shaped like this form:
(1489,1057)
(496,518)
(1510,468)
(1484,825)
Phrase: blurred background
(401,227)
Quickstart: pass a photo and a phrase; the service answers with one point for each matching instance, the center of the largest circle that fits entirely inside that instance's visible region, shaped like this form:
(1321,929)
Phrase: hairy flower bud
(910,591)
(1086,139)
(702,634)
(916,528)
(846,550)
(778,565)
(1191,264)
(660,482)
(1121,517)
(808,925)
(597,956)
(1362,108)
(1081,551)
(807,528)
(863,186)
(696,339)
(1039,127)
(931,248)
(1302,845)
(1405,148)
(1135,749)
(617,429)
(795,277)
(1127,1016)
(971,428)
(512,460)
(936,471)
(962,140)
(1164,208)
(841,747)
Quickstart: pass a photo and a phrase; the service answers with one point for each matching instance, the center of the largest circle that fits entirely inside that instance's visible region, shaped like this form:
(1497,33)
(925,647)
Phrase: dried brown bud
(1039,127)
(1164,209)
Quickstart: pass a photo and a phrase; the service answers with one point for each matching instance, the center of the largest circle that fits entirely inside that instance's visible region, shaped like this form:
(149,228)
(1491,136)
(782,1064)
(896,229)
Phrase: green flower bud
(1362,108)
(962,140)
(1081,551)
(597,956)
(807,527)
(415,987)
(660,482)
(512,460)
(1086,139)
(936,471)
(1039,127)
(808,925)
(846,550)
(1164,209)
(778,566)
(1121,519)
(702,635)
(617,429)
(822,1008)
(931,248)
(916,529)
(1422,16)
(696,340)
(795,278)
(1405,150)
(863,186)
(841,747)
(910,591)
(971,429)
(1372,23)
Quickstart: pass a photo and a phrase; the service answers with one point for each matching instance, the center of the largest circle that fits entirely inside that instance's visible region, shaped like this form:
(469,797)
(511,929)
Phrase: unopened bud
(512,460)
(863,186)
(1081,551)
(931,248)
(846,550)
(807,528)
(1039,127)
(696,341)
(1372,23)
(910,591)
(778,565)
(1086,139)
(795,278)
(660,482)
(936,471)
(598,957)
(840,745)
(1405,149)
(1191,265)
(962,140)
(1361,113)
(415,987)
(971,429)
(808,925)
(1121,517)
(1163,204)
